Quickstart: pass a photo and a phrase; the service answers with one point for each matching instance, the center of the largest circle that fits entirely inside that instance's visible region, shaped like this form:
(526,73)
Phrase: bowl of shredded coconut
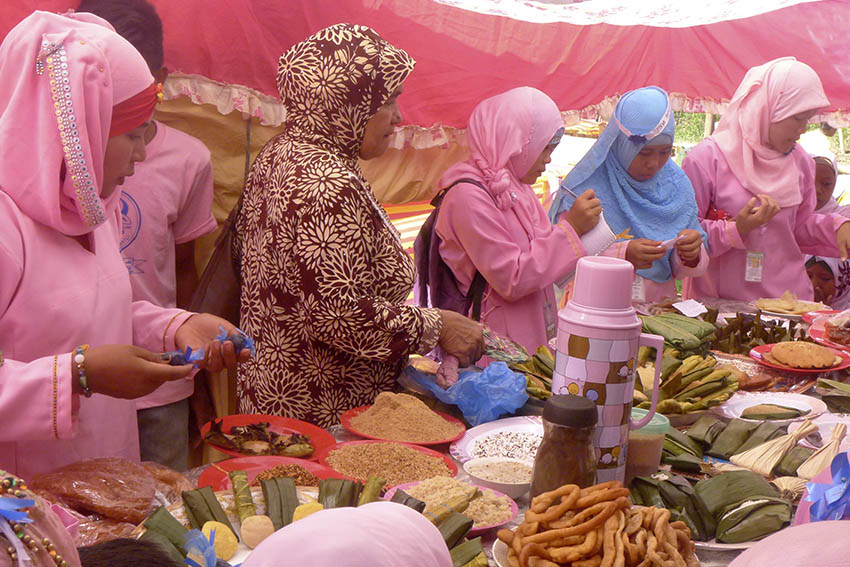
(510,476)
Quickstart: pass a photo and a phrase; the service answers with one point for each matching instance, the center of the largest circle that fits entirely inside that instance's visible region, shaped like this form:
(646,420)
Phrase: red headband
(133,112)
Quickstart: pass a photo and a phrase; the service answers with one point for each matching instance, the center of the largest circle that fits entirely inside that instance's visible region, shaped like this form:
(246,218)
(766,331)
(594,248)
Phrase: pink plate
(322,455)
(812,315)
(216,475)
(319,438)
(474,531)
(345,420)
(756,354)
(818,332)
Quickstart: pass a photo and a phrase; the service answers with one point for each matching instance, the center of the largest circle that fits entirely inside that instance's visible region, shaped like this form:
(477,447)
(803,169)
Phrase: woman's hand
(461,337)
(199,331)
(688,245)
(756,212)
(642,252)
(842,237)
(584,214)
(125,371)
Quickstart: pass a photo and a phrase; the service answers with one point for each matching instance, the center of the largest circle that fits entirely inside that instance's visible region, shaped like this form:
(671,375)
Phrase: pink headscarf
(506,134)
(380,534)
(60,76)
(769,93)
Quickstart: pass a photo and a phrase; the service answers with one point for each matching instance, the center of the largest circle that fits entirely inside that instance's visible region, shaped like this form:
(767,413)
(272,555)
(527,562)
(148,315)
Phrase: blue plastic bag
(481,396)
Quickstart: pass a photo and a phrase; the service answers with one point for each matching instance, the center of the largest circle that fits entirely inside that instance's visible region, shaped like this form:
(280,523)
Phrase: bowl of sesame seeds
(513,438)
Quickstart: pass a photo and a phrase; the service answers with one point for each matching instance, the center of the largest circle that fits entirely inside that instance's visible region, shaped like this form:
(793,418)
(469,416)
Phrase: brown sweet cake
(838,328)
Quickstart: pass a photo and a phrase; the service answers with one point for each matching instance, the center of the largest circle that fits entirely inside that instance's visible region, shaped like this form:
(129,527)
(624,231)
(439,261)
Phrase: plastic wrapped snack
(169,483)
(838,328)
(179,358)
(112,487)
(239,339)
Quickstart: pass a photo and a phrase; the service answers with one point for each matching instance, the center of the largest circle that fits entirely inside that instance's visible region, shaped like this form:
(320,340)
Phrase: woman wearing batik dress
(324,274)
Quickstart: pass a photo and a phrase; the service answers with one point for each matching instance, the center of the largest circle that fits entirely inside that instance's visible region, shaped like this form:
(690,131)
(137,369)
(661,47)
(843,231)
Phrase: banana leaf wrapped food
(705,430)
(763,433)
(772,411)
(792,460)
(677,495)
(681,452)
(731,438)
(753,519)
(731,488)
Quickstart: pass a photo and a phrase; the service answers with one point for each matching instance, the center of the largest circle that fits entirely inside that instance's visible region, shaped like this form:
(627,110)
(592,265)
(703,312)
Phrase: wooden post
(709,125)
(841,140)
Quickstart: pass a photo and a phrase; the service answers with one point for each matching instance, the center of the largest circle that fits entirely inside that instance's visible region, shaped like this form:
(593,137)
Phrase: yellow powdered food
(402,417)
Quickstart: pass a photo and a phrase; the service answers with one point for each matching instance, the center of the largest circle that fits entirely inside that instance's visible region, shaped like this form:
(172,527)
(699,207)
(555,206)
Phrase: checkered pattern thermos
(598,339)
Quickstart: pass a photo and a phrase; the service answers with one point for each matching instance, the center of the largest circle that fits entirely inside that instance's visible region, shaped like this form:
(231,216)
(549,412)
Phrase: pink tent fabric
(582,55)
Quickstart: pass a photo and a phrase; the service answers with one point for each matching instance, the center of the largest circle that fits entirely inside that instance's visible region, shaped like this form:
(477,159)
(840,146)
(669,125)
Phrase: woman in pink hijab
(75,99)
(380,534)
(755,189)
(498,226)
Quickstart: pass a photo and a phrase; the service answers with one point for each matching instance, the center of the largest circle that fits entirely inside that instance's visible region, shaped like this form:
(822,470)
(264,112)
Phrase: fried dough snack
(597,527)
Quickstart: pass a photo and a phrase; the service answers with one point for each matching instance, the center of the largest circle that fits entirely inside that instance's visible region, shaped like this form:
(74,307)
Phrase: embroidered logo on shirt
(131,220)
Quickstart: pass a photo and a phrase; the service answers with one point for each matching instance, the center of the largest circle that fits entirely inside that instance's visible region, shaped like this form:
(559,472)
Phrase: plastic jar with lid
(643,456)
(566,454)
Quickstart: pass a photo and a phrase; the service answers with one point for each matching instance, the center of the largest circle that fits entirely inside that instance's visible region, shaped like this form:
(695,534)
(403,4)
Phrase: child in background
(164,207)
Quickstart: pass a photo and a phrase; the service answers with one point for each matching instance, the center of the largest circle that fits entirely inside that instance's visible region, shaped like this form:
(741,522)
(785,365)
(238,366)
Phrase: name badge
(638,289)
(755,267)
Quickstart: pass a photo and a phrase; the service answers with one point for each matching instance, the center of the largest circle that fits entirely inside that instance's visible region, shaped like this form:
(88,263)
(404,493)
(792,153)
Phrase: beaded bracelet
(80,361)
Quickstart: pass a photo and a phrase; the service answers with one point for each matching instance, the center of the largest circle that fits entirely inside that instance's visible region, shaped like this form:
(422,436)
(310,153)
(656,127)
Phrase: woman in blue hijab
(644,192)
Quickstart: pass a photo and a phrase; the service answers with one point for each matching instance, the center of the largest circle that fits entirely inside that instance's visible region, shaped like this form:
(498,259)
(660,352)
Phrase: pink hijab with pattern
(60,76)
(769,93)
(506,135)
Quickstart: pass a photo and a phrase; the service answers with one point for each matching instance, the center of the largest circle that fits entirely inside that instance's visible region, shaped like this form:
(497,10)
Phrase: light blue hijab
(658,208)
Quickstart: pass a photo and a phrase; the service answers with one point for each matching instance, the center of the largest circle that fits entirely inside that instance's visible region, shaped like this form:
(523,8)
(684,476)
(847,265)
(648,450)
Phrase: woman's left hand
(843,240)
(199,331)
(688,245)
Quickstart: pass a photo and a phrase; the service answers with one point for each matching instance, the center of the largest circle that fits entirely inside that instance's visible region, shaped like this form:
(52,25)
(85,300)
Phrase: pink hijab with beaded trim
(769,93)
(60,76)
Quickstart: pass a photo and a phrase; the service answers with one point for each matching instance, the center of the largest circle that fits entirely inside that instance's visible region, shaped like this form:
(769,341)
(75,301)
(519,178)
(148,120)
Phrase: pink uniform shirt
(166,202)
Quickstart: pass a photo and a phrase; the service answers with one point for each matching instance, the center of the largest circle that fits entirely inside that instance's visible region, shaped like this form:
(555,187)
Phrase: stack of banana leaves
(746,331)
(689,385)
(684,334)
(538,372)
(732,507)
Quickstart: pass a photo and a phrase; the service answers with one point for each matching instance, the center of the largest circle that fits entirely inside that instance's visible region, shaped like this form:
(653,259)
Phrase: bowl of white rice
(509,476)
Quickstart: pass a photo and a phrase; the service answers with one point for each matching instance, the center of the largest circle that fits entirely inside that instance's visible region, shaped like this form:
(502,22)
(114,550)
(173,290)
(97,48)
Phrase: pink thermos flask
(598,338)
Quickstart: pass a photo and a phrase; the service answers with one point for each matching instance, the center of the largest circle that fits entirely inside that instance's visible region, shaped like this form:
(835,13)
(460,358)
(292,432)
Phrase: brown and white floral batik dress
(324,275)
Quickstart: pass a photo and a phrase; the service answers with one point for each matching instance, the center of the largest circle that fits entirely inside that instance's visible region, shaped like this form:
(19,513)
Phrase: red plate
(322,455)
(818,332)
(345,420)
(812,315)
(474,531)
(319,438)
(218,479)
(756,354)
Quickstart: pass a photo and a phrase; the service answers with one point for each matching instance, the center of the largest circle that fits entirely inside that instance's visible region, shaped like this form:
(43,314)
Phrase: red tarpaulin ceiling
(581,54)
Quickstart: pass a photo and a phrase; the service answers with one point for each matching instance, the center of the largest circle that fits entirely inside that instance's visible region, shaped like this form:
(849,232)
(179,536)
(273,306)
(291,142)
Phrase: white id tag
(638,289)
(755,267)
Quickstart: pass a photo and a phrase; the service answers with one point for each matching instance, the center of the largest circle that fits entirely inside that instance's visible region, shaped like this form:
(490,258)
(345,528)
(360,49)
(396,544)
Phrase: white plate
(735,405)
(462,448)
(825,423)
(500,553)
(776,315)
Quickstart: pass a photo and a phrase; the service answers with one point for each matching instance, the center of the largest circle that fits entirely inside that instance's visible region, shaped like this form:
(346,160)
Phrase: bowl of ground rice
(396,463)
(404,418)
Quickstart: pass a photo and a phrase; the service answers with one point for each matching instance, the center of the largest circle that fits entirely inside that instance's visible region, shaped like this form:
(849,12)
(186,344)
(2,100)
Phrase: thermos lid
(570,411)
(603,282)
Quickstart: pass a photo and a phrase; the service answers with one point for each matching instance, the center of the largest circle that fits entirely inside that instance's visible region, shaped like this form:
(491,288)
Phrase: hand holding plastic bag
(481,396)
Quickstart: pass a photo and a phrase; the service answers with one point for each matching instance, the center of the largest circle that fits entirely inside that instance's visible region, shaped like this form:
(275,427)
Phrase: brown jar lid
(570,411)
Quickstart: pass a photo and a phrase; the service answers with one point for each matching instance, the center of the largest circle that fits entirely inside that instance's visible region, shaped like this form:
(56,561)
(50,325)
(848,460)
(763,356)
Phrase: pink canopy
(582,54)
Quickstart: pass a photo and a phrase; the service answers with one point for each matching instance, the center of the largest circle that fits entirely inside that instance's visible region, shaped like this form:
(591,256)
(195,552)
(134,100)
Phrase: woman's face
(823,282)
(122,153)
(649,161)
(380,127)
(782,135)
(539,166)
(824,182)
